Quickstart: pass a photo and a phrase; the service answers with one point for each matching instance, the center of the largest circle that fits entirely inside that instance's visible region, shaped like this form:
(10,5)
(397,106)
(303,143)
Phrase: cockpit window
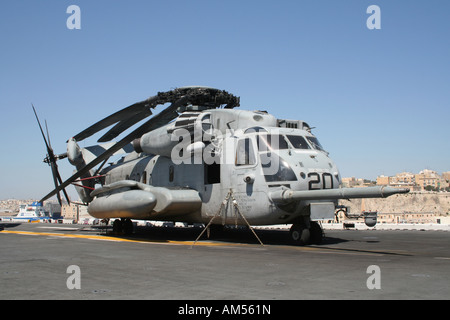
(315,143)
(267,142)
(298,142)
(275,168)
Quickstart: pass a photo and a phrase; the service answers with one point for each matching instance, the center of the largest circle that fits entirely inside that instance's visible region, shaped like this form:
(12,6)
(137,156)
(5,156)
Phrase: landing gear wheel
(117,226)
(300,234)
(127,227)
(316,233)
(123,226)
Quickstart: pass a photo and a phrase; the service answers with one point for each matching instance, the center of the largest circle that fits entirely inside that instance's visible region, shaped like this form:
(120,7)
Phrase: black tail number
(319,181)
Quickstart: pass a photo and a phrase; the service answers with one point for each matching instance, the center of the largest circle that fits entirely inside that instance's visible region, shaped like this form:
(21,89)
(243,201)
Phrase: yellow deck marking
(66,235)
(187,243)
(116,239)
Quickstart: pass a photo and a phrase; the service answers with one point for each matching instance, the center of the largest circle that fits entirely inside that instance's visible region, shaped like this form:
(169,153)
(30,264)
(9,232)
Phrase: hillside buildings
(75,212)
(425,180)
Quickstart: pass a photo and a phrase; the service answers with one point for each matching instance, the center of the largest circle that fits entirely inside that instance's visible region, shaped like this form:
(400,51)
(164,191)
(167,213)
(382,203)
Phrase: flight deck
(165,263)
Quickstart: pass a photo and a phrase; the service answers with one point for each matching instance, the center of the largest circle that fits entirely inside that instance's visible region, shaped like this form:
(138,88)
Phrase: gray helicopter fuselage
(245,155)
(200,160)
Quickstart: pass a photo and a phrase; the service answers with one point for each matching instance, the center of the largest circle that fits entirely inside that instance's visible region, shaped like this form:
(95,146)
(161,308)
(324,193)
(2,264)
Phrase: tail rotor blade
(49,150)
(48,136)
(51,159)
(55,181)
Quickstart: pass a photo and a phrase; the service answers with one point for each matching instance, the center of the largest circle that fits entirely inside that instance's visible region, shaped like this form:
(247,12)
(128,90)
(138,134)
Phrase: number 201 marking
(314,182)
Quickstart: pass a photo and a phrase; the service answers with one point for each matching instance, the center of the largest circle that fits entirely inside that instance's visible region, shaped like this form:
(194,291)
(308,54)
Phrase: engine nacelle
(157,142)
(188,127)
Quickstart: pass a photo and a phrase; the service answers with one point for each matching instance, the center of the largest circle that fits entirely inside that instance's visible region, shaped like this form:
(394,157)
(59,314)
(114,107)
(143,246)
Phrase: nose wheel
(302,235)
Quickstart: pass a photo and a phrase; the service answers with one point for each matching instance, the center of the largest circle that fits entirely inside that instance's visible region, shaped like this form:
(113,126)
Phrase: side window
(207,127)
(245,154)
(144,177)
(206,123)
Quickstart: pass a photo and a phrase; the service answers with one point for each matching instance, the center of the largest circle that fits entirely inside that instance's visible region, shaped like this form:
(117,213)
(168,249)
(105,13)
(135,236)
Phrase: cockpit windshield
(315,143)
(298,142)
(267,142)
(276,168)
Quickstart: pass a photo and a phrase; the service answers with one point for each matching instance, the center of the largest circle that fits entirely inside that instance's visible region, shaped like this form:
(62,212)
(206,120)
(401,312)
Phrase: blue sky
(379,99)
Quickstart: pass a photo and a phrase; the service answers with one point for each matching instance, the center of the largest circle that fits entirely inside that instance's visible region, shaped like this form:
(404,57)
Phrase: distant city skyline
(425,180)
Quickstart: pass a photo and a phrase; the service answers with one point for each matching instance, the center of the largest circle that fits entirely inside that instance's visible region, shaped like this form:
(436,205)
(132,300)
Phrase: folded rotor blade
(137,108)
(124,125)
(160,119)
(60,182)
(125,118)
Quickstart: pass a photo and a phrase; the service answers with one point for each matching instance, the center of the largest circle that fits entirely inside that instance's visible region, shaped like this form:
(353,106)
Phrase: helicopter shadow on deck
(233,235)
(5,225)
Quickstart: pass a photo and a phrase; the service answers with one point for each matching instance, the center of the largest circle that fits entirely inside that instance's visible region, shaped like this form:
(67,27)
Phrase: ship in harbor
(31,212)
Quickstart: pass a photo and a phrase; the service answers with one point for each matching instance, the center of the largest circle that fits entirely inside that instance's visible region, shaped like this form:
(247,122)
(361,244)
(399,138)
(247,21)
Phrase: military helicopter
(200,160)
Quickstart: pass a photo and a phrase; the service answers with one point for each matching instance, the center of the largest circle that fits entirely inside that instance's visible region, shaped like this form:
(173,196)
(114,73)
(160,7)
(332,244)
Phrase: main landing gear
(302,235)
(123,226)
